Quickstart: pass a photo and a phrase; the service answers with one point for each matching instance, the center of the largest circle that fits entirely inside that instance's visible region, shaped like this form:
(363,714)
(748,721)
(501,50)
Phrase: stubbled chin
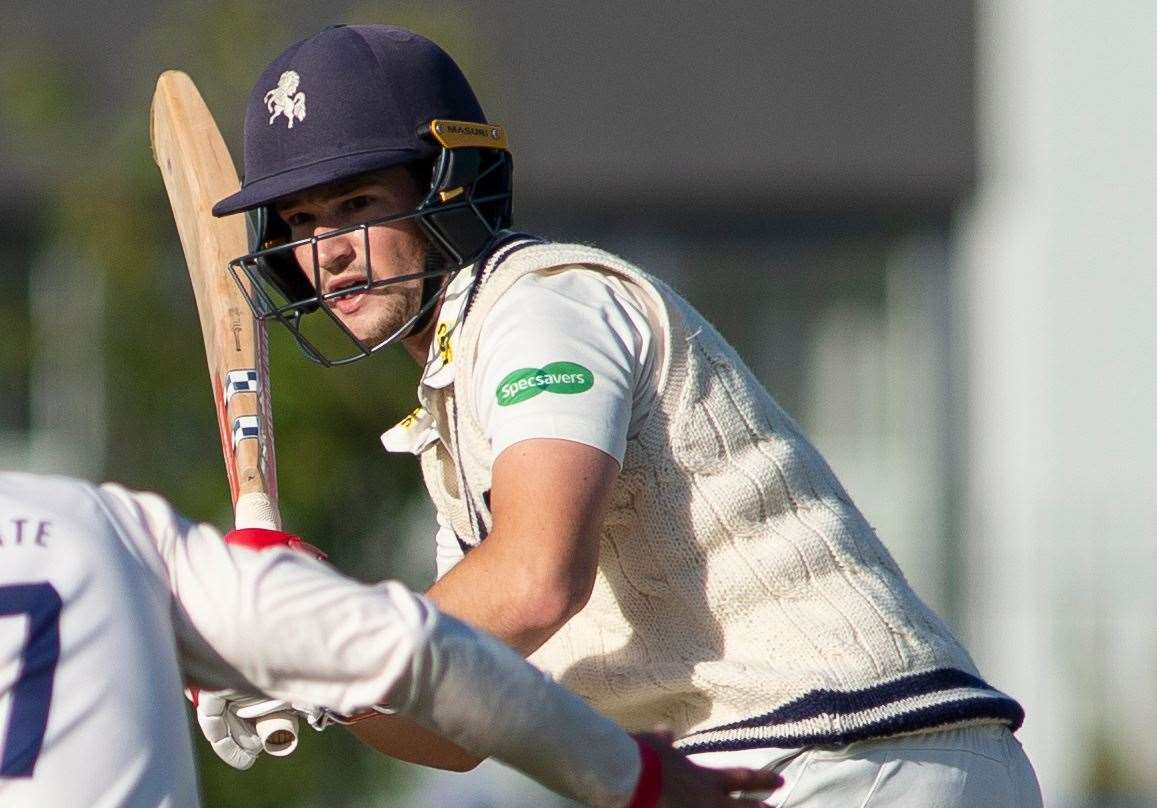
(369,323)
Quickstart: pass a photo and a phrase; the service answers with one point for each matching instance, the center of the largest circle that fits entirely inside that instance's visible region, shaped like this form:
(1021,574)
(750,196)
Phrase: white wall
(1058,293)
(877,406)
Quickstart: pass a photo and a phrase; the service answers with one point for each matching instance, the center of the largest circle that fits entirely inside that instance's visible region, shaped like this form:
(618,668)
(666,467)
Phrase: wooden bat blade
(198,171)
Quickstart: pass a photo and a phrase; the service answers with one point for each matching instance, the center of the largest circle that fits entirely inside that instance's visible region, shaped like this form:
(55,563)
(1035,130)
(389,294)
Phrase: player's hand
(686,785)
(227,719)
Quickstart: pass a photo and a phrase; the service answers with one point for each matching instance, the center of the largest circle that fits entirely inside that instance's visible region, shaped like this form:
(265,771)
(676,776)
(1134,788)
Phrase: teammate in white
(618,496)
(109,599)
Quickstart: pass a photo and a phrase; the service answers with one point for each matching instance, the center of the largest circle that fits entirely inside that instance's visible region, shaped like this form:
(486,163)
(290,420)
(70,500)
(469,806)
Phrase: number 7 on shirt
(32,691)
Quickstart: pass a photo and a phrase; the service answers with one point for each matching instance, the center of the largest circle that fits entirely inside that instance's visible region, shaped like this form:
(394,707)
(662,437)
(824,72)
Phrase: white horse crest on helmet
(285,100)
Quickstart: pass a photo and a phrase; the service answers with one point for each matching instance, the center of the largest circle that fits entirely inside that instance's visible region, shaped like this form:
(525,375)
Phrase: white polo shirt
(567,353)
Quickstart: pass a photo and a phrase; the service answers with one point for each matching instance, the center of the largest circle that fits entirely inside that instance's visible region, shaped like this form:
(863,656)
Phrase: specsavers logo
(567,378)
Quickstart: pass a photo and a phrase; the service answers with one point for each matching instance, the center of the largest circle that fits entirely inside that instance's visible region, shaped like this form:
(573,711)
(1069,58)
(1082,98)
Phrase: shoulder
(523,261)
(145,522)
(568,282)
(97,524)
(65,500)
(23,484)
(566,292)
(569,306)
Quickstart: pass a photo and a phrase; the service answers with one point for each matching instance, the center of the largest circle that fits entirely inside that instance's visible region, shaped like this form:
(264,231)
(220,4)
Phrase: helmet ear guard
(470,196)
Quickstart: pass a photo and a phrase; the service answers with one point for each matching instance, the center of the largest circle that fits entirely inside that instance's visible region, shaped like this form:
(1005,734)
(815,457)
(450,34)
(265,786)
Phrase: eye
(359,202)
(296,219)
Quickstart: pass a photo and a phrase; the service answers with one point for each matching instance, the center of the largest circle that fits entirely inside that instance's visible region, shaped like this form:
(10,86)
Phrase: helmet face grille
(467,206)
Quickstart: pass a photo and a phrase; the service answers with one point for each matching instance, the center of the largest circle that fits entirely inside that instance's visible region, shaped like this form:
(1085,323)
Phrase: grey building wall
(746,105)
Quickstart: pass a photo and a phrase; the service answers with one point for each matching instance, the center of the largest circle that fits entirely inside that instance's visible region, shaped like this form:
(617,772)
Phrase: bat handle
(278,733)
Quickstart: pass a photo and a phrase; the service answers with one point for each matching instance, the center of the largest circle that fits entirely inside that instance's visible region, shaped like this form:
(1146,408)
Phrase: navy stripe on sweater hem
(964,711)
(842,702)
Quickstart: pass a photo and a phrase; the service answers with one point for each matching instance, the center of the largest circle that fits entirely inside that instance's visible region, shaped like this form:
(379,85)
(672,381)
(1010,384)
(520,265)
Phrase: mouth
(339,297)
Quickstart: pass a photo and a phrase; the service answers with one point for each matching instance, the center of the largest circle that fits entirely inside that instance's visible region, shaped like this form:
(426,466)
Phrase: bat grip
(278,732)
(256,509)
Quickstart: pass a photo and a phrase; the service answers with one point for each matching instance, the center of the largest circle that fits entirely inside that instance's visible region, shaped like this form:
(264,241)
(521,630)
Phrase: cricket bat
(198,171)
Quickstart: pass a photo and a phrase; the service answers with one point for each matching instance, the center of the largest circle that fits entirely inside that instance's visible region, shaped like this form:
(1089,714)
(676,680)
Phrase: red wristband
(650,786)
(259,538)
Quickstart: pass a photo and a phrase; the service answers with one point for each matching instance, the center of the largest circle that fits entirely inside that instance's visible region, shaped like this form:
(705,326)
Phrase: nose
(334,253)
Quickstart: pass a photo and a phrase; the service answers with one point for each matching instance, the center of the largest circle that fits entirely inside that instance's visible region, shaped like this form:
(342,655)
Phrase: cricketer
(619,499)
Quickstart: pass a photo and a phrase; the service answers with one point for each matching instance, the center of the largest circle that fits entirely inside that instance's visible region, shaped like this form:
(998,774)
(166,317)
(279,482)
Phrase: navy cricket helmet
(348,101)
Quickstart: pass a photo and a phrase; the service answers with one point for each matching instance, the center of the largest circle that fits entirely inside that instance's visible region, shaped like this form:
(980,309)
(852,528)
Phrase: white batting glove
(227,721)
(229,718)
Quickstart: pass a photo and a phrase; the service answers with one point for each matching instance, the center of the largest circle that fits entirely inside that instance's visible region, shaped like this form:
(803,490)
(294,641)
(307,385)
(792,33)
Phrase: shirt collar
(418,430)
(439,370)
(413,434)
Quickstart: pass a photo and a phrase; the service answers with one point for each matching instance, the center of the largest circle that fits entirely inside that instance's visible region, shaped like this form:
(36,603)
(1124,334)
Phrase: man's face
(342,261)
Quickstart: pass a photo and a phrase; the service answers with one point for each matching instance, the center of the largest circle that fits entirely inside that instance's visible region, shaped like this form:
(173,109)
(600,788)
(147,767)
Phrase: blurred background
(929,226)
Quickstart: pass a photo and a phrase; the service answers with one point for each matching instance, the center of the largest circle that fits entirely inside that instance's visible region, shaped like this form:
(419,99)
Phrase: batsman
(618,498)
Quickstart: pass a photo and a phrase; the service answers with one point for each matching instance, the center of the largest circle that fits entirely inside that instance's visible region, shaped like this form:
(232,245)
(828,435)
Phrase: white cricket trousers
(966,767)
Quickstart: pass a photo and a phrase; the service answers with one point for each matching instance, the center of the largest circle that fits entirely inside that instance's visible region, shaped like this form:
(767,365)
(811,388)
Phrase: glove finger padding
(233,739)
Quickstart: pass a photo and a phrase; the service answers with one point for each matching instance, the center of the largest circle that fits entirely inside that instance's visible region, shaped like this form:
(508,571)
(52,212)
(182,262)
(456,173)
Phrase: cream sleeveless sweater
(741,598)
